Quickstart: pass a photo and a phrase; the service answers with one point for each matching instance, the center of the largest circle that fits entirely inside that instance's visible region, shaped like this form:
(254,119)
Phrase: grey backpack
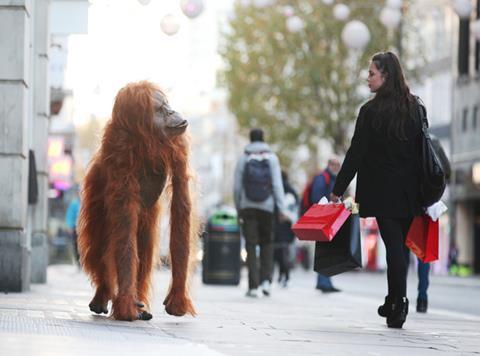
(257,177)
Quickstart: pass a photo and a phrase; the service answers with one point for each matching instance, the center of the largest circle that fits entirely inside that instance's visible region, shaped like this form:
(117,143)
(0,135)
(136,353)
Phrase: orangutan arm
(123,209)
(177,301)
(180,227)
(125,223)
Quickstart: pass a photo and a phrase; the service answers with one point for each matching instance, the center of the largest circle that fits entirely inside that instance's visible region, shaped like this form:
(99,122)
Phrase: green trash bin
(221,249)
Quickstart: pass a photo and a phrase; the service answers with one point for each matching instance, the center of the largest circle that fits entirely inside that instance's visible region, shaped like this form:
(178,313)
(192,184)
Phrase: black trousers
(257,228)
(281,256)
(394,232)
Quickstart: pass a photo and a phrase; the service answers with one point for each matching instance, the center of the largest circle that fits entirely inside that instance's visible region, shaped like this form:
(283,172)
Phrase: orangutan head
(168,121)
(142,109)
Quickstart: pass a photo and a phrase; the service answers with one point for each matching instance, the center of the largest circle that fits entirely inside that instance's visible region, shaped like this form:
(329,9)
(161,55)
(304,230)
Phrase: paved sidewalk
(54,319)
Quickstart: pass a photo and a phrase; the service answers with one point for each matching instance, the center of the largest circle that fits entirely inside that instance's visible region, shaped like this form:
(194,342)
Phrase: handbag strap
(423,118)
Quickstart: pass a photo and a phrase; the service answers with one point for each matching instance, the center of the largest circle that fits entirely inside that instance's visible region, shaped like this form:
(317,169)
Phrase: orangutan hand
(178,304)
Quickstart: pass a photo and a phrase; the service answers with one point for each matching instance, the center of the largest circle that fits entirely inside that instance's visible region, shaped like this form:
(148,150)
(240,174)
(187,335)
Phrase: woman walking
(384,153)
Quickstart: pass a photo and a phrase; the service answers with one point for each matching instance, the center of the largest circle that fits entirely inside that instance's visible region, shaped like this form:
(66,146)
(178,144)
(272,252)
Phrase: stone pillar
(15,84)
(39,139)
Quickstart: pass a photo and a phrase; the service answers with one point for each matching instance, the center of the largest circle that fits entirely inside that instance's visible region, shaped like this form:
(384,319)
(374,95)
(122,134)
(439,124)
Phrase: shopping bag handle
(322,201)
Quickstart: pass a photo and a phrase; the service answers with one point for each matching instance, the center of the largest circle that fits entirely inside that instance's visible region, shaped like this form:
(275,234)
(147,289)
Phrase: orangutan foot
(144,315)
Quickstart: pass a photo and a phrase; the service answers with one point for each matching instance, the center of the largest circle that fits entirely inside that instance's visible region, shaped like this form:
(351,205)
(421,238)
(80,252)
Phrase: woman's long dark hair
(393,99)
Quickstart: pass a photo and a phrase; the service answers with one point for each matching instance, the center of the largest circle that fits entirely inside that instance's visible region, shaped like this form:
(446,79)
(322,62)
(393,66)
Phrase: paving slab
(54,319)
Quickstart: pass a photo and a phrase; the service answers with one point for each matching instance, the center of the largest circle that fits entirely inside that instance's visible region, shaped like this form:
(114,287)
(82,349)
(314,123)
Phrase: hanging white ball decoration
(341,12)
(463,8)
(288,11)
(262,3)
(192,8)
(355,35)
(327,2)
(144,2)
(475,26)
(394,4)
(295,24)
(390,18)
(169,24)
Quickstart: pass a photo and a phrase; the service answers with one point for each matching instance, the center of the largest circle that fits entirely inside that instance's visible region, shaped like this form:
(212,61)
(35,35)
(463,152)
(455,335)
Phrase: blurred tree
(303,85)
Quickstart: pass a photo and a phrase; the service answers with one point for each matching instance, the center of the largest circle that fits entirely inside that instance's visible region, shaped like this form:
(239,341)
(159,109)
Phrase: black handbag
(432,174)
(343,253)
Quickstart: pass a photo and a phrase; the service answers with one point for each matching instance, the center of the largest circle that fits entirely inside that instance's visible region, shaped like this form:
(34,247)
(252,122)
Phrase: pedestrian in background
(284,236)
(71,219)
(258,189)
(384,153)
(321,186)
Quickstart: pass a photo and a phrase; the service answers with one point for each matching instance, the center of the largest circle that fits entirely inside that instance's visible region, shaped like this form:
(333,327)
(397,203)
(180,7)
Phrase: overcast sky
(125,43)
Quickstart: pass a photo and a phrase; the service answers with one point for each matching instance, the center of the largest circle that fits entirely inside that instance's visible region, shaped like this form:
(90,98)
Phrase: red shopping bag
(321,222)
(422,238)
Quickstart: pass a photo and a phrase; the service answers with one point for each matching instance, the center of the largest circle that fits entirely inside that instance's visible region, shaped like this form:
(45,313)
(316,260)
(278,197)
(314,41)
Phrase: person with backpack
(258,189)
(385,153)
(321,186)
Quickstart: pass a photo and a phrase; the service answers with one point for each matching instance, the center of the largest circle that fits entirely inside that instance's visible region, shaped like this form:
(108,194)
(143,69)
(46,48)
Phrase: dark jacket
(320,188)
(386,167)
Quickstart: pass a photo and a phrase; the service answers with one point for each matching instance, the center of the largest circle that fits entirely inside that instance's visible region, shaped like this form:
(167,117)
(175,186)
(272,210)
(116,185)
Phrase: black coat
(387,168)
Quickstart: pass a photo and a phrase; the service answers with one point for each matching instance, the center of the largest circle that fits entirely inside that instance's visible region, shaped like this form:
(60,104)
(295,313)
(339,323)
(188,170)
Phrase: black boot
(398,313)
(383,310)
(422,305)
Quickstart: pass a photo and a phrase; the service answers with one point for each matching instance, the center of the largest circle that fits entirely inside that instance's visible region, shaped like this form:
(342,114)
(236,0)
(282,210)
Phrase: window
(477,44)
(474,117)
(463,47)
(465,120)
(477,54)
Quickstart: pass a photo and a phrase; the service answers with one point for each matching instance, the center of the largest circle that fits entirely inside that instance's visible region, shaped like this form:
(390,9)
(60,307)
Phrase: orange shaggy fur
(120,208)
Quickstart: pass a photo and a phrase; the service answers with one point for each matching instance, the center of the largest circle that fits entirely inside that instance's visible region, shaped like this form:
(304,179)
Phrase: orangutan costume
(143,150)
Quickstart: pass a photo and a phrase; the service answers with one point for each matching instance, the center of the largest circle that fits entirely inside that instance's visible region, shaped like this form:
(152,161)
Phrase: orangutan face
(167,120)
